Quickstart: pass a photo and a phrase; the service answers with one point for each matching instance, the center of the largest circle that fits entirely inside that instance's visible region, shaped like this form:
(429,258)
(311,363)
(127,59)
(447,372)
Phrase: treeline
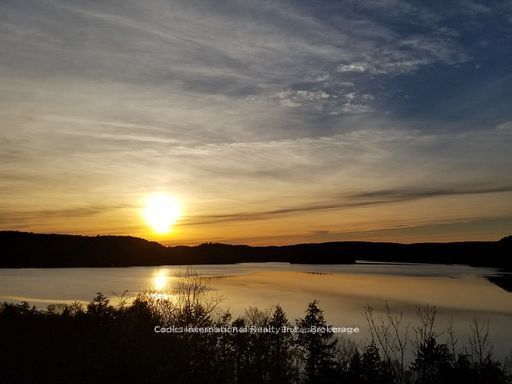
(102,343)
(32,250)
(21,249)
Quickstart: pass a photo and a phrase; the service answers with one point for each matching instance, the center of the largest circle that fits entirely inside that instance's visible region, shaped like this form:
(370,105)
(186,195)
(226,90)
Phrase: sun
(161,212)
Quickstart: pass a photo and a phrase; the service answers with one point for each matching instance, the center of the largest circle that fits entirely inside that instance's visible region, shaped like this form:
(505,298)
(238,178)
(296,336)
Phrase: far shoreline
(31,250)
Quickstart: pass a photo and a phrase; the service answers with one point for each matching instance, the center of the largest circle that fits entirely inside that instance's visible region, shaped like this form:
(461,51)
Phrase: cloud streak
(252,111)
(347,201)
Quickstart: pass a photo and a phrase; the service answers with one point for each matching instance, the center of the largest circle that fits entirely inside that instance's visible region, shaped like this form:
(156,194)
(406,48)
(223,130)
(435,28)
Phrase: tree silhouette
(281,352)
(433,363)
(318,346)
(117,344)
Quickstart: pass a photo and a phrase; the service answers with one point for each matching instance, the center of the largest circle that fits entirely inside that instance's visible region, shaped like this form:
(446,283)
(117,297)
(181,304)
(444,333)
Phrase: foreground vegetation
(102,343)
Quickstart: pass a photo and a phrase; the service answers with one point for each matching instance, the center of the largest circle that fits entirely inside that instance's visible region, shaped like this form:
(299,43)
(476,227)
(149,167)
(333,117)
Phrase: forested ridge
(22,249)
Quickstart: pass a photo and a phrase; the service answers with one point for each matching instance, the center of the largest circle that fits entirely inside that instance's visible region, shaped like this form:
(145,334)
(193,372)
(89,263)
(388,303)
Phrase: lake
(459,292)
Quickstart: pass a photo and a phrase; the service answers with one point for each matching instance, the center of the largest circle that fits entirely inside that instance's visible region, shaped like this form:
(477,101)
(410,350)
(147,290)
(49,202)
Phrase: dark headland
(31,250)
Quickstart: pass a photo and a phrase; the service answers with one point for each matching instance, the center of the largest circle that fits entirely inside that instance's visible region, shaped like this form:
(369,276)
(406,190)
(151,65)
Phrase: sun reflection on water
(161,280)
(161,285)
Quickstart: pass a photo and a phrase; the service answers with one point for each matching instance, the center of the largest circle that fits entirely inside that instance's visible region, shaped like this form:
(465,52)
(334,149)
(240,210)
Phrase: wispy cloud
(347,201)
(250,110)
(411,194)
(75,212)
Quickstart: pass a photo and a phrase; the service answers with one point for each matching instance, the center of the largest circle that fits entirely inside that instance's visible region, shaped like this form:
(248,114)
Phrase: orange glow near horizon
(190,125)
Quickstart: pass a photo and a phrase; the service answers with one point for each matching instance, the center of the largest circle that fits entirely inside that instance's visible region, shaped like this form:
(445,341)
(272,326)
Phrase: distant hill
(22,249)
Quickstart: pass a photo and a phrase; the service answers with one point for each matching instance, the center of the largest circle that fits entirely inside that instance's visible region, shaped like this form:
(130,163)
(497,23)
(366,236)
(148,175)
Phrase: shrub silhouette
(117,344)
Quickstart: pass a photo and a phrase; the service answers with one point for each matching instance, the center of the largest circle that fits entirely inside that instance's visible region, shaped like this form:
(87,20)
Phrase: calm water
(459,292)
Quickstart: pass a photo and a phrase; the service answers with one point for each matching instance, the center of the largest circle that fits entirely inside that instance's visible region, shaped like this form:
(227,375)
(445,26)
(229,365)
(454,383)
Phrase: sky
(271,122)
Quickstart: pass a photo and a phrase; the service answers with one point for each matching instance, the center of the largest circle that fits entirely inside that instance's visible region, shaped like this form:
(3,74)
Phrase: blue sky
(272,121)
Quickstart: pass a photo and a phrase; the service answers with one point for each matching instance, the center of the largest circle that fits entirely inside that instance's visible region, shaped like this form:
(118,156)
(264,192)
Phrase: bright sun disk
(161,212)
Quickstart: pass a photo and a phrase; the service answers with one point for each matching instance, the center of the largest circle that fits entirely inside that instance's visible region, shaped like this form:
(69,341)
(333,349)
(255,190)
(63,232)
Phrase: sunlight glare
(160,281)
(161,212)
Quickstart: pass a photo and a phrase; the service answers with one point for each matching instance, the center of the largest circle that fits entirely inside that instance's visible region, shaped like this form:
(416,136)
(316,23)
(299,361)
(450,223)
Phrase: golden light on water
(160,281)
(161,212)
